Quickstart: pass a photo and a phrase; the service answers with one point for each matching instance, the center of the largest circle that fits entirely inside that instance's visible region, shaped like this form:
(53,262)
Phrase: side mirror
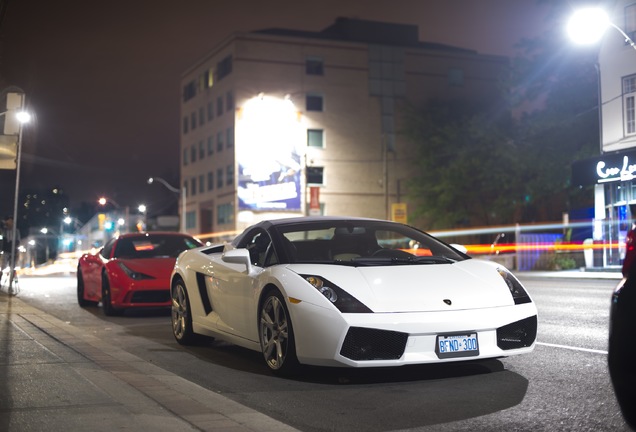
(460,248)
(238,256)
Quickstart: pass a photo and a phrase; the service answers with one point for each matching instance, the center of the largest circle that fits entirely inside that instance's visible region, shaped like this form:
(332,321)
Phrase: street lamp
(587,26)
(22,117)
(142,223)
(183,198)
(103,201)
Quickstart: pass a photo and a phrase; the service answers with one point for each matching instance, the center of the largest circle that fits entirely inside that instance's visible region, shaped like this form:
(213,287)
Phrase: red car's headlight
(134,274)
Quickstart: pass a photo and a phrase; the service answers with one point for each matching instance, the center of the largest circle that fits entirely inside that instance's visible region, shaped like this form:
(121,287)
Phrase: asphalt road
(562,386)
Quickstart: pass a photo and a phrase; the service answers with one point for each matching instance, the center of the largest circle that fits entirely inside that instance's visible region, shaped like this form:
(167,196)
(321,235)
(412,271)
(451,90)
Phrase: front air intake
(372,344)
(519,334)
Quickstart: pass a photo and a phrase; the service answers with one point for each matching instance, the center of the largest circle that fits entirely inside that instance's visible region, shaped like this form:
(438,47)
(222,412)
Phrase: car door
(235,289)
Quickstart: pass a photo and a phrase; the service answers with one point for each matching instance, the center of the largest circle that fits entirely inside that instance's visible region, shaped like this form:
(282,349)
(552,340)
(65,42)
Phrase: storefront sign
(604,169)
(613,173)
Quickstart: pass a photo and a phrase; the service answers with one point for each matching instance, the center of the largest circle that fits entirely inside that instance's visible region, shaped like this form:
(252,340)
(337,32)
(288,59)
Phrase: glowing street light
(103,201)
(588,25)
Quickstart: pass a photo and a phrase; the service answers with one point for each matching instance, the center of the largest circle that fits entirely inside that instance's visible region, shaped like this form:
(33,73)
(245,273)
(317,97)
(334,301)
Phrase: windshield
(154,246)
(364,243)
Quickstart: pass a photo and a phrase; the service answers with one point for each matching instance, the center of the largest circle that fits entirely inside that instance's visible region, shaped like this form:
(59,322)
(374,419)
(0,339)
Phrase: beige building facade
(279,123)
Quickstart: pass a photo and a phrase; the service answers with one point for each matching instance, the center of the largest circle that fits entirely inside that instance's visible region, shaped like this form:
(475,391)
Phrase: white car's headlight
(519,294)
(341,299)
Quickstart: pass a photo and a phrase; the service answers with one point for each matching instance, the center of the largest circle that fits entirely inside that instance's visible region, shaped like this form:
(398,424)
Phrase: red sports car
(131,271)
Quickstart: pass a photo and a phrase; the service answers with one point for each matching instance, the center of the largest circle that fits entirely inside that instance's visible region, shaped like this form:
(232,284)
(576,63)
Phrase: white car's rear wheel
(276,334)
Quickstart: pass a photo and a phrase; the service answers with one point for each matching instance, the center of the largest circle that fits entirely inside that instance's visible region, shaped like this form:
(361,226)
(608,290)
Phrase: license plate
(457,345)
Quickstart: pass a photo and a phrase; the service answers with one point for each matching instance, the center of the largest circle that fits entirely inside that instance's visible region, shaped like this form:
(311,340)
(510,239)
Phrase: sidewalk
(55,377)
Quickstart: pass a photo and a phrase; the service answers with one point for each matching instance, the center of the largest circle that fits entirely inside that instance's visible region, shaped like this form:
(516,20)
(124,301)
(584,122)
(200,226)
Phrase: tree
(466,165)
(560,80)
(476,167)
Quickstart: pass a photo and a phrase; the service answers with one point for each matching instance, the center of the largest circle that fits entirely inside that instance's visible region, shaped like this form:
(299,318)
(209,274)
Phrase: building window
(630,21)
(191,219)
(193,153)
(315,175)
(219,106)
(210,180)
(219,178)
(629,93)
(455,77)
(225,214)
(314,66)
(229,101)
(189,91)
(193,121)
(314,102)
(201,150)
(208,78)
(201,116)
(185,157)
(185,186)
(229,136)
(219,141)
(315,138)
(210,145)
(224,68)
(229,174)
(185,125)
(193,186)
(201,184)
(210,110)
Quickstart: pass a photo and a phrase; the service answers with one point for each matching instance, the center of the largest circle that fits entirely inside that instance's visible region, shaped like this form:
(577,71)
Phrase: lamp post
(587,26)
(183,199)
(103,201)
(143,210)
(22,117)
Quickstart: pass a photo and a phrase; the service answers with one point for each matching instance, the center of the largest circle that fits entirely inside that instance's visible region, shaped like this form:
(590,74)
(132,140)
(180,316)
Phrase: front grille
(156,296)
(519,334)
(372,344)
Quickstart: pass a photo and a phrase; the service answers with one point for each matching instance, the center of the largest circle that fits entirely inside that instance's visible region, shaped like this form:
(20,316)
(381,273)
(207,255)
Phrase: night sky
(103,78)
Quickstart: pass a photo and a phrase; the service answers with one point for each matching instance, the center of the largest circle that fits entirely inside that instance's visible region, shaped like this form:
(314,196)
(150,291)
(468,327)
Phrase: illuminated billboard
(269,144)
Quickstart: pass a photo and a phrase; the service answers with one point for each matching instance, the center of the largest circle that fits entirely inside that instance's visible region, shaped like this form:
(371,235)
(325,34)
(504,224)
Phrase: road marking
(573,348)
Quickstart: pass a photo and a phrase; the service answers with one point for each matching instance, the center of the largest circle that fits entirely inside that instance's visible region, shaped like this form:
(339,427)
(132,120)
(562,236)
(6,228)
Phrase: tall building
(613,173)
(281,122)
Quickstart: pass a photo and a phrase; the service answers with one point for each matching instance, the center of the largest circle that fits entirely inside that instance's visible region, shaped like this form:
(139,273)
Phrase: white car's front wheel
(276,334)
(181,315)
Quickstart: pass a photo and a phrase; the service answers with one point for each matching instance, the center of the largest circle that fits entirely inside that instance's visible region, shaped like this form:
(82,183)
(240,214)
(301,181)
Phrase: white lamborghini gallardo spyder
(349,292)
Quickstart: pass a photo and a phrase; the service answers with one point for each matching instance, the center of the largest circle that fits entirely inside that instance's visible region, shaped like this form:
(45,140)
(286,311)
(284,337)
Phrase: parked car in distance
(131,271)
(352,292)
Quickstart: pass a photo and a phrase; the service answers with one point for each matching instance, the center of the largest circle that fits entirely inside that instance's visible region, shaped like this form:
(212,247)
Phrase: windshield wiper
(434,259)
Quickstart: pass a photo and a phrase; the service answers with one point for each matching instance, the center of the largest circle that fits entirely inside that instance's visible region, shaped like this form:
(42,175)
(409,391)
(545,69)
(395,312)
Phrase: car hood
(470,284)
(159,268)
